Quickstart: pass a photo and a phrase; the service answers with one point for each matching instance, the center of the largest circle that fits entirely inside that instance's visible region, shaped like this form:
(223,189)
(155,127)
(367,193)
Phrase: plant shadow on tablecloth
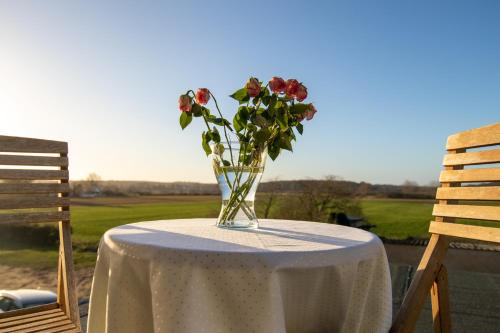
(178,240)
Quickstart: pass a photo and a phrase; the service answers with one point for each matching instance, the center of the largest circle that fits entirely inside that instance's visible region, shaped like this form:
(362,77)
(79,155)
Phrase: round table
(286,276)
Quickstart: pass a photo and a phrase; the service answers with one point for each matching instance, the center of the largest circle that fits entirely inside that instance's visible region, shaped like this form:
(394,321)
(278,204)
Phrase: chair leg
(423,279)
(440,302)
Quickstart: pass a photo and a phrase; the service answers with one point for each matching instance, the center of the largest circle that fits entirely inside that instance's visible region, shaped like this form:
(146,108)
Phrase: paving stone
(474,300)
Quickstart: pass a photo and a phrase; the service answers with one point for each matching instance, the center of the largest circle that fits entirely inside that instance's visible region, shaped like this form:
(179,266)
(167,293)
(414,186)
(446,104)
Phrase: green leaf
(299,108)
(215,135)
(218,121)
(261,121)
(226,163)
(282,119)
(272,101)
(271,111)
(185,119)
(228,124)
(300,128)
(251,127)
(273,151)
(196,110)
(205,111)
(262,136)
(266,100)
(242,138)
(285,143)
(243,113)
(205,139)
(265,92)
(237,123)
(241,95)
(219,149)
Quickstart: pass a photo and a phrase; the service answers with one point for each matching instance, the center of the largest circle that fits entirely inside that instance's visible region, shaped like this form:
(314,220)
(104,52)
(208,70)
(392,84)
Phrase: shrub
(32,235)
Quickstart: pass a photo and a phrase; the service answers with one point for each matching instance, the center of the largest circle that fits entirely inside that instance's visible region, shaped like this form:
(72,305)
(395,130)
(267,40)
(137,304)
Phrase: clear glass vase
(238,172)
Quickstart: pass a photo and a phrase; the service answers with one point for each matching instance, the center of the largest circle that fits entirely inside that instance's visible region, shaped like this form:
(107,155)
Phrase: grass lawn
(394,218)
(398,219)
(91,220)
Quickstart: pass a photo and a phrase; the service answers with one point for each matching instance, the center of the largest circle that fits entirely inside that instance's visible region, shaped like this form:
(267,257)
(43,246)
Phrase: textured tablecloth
(287,276)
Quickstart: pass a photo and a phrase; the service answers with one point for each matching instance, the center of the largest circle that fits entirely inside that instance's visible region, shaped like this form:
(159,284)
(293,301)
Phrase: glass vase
(238,171)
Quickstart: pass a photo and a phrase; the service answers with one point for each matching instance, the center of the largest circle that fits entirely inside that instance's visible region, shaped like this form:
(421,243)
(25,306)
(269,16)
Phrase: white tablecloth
(287,276)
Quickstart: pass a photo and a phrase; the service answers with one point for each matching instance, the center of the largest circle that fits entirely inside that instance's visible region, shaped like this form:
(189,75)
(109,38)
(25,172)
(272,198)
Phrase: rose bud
(202,96)
(301,93)
(277,85)
(253,87)
(310,112)
(292,86)
(185,103)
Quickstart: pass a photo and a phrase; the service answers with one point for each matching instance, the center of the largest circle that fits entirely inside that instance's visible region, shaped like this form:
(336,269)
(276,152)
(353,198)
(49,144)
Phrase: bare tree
(94,182)
(317,200)
(270,199)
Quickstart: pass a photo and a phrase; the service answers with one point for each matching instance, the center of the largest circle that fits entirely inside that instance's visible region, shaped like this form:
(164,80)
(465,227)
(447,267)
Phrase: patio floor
(473,300)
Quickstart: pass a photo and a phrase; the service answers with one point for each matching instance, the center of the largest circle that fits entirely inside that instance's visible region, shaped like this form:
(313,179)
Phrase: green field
(397,219)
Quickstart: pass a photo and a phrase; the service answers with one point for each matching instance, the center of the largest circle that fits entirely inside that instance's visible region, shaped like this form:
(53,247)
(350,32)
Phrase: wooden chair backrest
(467,192)
(34,188)
(470,186)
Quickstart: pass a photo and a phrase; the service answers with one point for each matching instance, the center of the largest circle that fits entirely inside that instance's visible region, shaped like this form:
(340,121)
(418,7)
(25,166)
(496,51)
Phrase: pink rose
(253,87)
(185,103)
(301,93)
(277,85)
(292,86)
(202,96)
(310,112)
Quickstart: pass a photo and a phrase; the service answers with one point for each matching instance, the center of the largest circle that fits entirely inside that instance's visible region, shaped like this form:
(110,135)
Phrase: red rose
(301,93)
(185,103)
(202,96)
(277,85)
(310,112)
(292,86)
(253,87)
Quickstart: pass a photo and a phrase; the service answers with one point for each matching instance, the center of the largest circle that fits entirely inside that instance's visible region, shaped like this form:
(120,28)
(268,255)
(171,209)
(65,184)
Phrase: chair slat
(35,310)
(31,319)
(470,175)
(62,316)
(33,160)
(33,188)
(468,193)
(70,328)
(34,217)
(472,158)
(468,212)
(39,326)
(33,174)
(7,320)
(465,231)
(33,202)
(28,145)
(478,137)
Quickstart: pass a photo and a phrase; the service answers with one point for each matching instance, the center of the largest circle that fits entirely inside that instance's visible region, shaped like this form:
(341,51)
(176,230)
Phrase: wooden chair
(39,182)
(455,201)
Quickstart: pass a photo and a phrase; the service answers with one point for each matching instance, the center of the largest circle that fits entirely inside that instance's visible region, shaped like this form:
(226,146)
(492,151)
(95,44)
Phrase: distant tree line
(94,186)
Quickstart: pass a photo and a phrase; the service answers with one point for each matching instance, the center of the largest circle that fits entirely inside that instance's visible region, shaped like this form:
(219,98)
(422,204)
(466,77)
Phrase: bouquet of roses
(264,122)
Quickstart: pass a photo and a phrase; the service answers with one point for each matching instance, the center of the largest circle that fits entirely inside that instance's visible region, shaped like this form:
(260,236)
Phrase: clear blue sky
(390,79)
